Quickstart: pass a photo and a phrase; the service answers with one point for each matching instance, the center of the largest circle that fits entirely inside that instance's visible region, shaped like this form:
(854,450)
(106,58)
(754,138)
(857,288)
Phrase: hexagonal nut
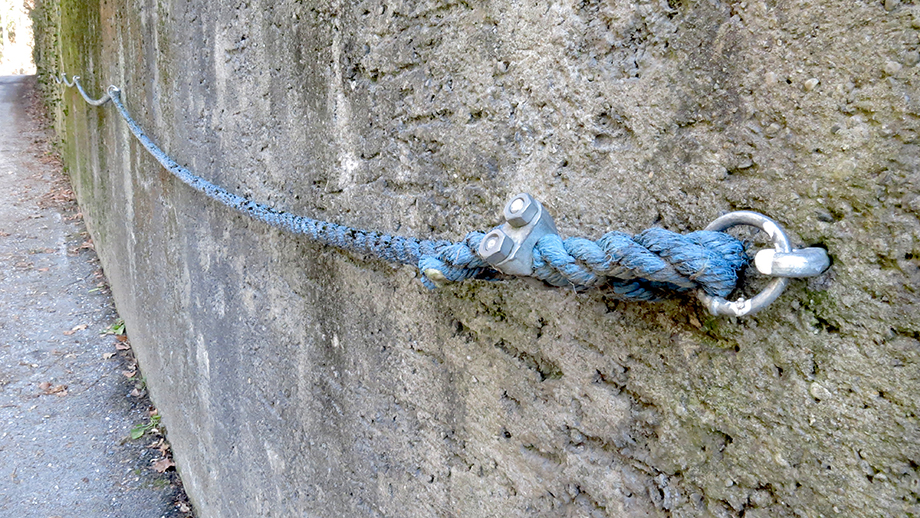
(521,210)
(495,247)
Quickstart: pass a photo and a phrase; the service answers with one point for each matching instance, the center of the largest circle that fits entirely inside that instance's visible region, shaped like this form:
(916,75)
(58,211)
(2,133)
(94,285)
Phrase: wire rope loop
(742,307)
(89,100)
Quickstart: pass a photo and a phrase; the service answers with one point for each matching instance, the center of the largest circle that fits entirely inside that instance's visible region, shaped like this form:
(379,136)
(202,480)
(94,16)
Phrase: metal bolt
(495,247)
(521,210)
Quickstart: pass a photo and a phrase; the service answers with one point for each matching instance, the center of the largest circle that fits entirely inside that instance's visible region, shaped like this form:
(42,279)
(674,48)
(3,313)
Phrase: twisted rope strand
(663,258)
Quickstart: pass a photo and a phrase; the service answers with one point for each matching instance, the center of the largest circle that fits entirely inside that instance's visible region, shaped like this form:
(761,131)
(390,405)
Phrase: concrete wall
(296,380)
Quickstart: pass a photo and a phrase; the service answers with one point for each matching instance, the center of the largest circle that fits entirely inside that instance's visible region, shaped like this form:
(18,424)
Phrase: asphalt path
(70,394)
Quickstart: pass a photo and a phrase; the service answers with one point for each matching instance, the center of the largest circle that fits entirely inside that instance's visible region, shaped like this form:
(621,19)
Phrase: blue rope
(455,261)
(648,266)
(643,266)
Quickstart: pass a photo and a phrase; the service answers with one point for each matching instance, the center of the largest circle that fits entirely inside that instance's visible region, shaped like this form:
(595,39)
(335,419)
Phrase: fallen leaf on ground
(136,393)
(161,445)
(80,327)
(129,374)
(122,346)
(87,245)
(163,464)
(48,388)
(121,338)
(107,356)
(184,507)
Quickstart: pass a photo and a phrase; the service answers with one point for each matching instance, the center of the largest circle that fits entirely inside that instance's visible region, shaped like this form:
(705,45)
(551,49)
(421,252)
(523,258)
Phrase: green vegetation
(141,429)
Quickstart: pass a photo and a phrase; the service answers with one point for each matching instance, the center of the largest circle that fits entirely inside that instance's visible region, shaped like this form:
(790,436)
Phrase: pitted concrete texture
(297,380)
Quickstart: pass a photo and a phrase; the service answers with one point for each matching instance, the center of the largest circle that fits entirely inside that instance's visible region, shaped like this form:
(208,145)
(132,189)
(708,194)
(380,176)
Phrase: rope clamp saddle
(509,247)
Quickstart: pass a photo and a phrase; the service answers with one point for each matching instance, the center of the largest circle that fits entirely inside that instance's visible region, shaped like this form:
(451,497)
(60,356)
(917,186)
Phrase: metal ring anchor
(814,259)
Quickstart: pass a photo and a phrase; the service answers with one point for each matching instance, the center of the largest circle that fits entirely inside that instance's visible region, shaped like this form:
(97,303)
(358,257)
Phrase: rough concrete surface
(66,405)
(298,380)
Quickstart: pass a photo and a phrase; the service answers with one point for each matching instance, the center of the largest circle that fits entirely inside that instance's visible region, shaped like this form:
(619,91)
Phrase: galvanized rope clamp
(782,262)
(509,247)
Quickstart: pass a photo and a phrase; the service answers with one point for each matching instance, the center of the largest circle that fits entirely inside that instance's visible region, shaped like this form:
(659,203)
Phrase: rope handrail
(648,266)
